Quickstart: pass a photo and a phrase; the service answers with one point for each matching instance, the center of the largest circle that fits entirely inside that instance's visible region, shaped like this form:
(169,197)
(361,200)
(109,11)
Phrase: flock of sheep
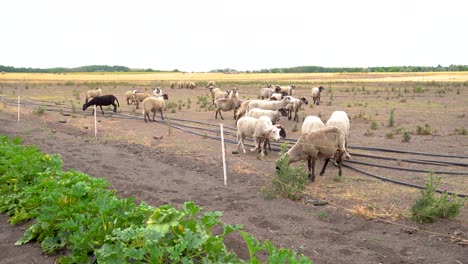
(258,119)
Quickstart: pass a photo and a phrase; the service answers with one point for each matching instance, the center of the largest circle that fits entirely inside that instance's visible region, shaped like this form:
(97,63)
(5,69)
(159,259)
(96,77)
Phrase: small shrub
(289,181)
(428,208)
(329,103)
(368,133)
(424,130)
(390,135)
(406,136)
(461,131)
(418,89)
(322,215)
(73,107)
(373,125)
(39,110)
(295,128)
(458,90)
(391,121)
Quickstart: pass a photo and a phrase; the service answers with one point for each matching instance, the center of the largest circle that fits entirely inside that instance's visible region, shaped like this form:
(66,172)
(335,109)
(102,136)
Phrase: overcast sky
(198,35)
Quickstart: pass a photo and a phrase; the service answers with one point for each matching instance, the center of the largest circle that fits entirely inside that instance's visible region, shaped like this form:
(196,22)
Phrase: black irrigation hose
(408,152)
(419,161)
(397,181)
(407,169)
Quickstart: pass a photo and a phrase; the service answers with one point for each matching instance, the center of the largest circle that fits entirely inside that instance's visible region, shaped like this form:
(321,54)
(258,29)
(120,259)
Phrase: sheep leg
(324,166)
(101,110)
(162,117)
(154,115)
(296,116)
(340,161)
(256,144)
(240,142)
(115,107)
(146,114)
(221,114)
(311,165)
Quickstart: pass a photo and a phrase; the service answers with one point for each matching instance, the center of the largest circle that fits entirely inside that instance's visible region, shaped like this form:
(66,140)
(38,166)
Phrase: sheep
(217,93)
(153,104)
(128,95)
(157,91)
(269,105)
(192,85)
(266,93)
(289,89)
(139,97)
(312,123)
(278,96)
(274,118)
(294,106)
(260,129)
(227,104)
(172,84)
(340,120)
(211,84)
(274,115)
(102,100)
(323,143)
(242,109)
(93,93)
(316,91)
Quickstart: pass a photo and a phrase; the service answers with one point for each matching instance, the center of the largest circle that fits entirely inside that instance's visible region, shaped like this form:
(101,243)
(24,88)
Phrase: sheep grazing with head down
(93,93)
(295,106)
(240,112)
(323,143)
(260,129)
(316,91)
(102,100)
(153,104)
(211,84)
(311,124)
(274,115)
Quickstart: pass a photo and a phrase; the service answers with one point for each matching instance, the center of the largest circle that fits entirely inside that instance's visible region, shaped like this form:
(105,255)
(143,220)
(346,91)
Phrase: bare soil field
(366,220)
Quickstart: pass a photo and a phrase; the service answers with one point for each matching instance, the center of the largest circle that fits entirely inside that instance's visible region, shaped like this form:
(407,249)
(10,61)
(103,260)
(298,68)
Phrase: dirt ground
(366,220)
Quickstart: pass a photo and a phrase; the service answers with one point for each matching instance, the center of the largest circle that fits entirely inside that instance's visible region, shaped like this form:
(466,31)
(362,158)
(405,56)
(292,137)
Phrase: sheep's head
(283,111)
(84,107)
(304,100)
(282,132)
(277,89)
(165,97)
(274,133)
(321,88)
(288,99)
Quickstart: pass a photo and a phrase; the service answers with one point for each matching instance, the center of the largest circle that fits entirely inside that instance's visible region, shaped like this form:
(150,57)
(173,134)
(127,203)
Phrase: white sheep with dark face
(259,129)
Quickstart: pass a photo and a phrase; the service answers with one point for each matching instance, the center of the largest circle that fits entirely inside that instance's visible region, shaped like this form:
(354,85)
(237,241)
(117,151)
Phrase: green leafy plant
(461,131)
(373,125)
(289,181)
(78,214)
(428,207)
(406,136)
(391,121)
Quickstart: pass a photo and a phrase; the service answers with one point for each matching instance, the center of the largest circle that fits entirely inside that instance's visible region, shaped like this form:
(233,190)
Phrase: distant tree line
(91,68)
(301,69)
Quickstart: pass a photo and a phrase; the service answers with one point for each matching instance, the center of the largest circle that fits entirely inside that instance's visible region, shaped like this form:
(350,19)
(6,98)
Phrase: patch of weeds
(289,181)
(390,135)
(322,215)
(418,89)
(403,101)
(406,136)
(73,107)
(461,131)
(406,90)
(189,102)
(373,125)
(428,207)
(349,105)
(424,130)
(180,105)
(458,90)
(39,110)
(338,178)
(391,121)
(268,193)
(329,103)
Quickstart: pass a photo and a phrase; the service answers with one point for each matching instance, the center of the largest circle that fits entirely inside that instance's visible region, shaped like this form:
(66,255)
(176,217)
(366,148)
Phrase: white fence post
(224,154)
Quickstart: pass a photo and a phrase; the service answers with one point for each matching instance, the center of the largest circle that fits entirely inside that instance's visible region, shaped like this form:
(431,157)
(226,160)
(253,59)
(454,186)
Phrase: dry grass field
(341,232)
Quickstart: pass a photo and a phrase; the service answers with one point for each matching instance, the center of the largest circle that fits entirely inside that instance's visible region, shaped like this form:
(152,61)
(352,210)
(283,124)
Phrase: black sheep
(105,100)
